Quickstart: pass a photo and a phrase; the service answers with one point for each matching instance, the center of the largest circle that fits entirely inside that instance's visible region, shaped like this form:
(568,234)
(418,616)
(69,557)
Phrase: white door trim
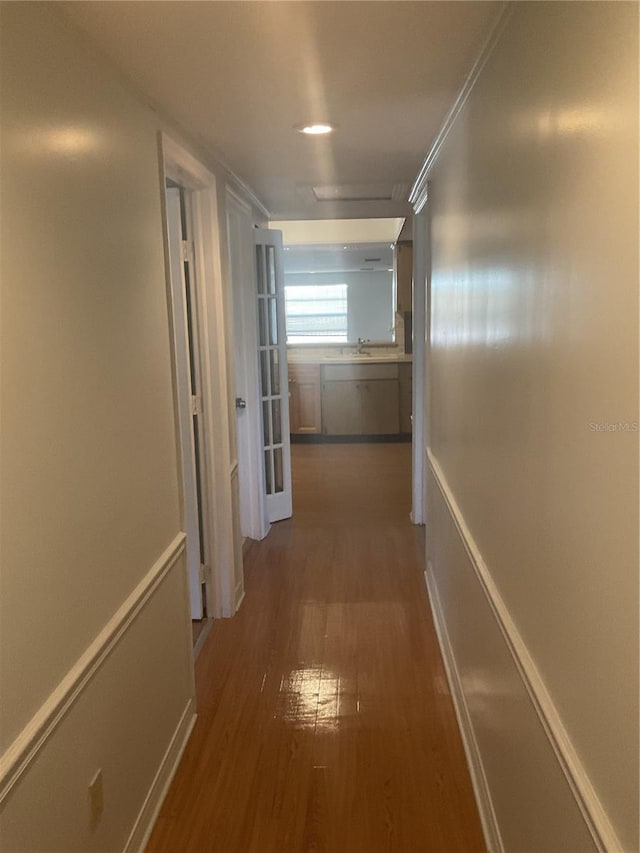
(420,332)
(180,166)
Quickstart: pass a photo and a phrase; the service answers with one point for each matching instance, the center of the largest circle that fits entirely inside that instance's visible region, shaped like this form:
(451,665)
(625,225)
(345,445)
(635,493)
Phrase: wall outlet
(96,799)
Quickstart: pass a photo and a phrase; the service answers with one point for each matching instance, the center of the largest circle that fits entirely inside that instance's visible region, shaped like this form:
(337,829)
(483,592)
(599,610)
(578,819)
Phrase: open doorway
(184,300)
(202,388)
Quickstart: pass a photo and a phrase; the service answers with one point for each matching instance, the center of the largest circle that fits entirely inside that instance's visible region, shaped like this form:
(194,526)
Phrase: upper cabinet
(404,275)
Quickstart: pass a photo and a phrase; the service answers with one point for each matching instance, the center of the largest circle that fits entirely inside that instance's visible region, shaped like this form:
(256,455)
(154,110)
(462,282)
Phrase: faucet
(361,343)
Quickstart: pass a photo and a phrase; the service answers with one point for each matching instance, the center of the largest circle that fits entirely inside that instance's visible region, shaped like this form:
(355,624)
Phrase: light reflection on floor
(312,697)
(326,694)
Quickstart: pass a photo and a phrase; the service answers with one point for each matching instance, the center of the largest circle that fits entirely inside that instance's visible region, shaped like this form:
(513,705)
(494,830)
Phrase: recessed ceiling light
(315,129)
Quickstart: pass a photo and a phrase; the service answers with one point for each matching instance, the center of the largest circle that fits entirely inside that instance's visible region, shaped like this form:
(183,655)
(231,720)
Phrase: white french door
(254,523)
(272,358)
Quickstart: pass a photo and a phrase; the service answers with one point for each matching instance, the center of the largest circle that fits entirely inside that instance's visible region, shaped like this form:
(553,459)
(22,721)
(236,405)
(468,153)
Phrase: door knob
(240,403)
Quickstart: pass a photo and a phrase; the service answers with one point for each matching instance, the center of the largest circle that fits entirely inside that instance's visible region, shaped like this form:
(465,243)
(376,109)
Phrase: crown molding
(419,192)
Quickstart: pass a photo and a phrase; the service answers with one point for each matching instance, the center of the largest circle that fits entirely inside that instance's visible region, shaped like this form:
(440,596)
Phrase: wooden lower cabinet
(404,275)
(380,407)
(360,407)
(350,399)
(341,413)
(304,399)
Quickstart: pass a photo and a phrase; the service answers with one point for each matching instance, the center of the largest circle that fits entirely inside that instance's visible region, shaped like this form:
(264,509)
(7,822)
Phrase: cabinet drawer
(347,372)
(304,372)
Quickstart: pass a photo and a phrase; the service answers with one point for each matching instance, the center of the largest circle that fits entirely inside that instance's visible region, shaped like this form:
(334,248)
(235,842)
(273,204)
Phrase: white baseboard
(55,708)
(202,639)
(166,771)
(476,770)
(595,818)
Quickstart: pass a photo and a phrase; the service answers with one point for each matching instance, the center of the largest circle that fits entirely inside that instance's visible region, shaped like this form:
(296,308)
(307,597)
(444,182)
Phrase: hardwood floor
(325,721)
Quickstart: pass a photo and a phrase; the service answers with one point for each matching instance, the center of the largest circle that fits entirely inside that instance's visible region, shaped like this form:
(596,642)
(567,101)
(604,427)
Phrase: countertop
(395,358)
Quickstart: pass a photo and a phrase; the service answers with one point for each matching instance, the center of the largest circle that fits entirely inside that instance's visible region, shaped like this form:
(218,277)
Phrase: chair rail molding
(41,726)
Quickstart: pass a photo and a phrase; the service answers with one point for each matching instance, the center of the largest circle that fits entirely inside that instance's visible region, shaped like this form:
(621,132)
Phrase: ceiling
(237,76)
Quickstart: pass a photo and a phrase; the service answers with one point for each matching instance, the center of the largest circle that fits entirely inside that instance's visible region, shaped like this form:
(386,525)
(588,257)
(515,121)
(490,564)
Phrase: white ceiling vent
(354,192)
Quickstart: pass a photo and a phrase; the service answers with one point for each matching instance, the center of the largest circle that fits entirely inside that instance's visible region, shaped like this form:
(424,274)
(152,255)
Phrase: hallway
(324,717)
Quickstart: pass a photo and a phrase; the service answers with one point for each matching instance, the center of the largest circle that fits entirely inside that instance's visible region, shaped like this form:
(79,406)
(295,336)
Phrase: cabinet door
(406,397)
(404,276)
(342,407)
(304,386)
(380,407)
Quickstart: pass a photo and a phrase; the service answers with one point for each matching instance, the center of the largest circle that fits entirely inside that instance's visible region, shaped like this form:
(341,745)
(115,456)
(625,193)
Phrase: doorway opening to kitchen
(348,293)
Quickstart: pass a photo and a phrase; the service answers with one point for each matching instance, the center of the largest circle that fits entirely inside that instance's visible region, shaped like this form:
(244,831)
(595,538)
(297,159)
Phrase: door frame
(178,165)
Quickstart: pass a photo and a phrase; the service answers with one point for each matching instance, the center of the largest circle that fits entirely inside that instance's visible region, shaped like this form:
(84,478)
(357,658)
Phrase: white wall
(96,667)
(533,515)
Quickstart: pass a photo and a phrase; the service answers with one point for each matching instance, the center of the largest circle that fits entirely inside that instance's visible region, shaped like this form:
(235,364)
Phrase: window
(316,313)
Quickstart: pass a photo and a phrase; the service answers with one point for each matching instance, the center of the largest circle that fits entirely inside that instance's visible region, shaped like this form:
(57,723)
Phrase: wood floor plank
(325,721)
